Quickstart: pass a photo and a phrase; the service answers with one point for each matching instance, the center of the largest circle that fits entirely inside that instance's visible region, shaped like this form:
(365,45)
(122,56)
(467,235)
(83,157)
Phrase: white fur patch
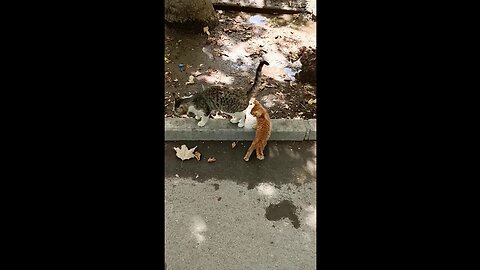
(192,109)
(250,120)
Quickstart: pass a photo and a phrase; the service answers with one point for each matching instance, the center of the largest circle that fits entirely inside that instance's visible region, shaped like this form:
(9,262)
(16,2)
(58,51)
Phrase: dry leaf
(190,80)
(212,159)
(311,101)
(234,144)
(196,73)
(184,153)
(197,155)
(205,29)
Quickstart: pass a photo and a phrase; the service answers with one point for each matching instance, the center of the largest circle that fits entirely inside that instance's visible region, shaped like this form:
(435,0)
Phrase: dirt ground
(229,54)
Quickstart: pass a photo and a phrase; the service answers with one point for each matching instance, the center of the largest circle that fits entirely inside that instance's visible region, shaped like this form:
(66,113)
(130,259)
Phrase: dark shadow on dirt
(228,56)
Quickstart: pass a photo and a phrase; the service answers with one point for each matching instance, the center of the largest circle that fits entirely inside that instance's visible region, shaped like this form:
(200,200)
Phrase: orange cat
(264,128)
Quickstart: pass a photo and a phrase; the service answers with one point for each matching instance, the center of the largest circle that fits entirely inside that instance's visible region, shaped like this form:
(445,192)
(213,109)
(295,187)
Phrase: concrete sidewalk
(221,130)
(232,214)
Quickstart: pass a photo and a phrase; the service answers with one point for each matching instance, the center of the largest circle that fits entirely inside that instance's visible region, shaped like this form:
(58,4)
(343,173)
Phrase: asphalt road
(232,214)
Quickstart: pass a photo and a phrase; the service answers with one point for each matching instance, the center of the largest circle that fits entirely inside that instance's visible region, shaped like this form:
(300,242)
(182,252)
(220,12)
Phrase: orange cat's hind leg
(260,155)
(249,152)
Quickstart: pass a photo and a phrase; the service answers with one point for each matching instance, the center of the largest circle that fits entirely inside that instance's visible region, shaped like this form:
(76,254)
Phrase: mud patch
(285,209)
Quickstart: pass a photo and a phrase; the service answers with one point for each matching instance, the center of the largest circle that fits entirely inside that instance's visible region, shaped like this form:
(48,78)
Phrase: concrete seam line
(307,130)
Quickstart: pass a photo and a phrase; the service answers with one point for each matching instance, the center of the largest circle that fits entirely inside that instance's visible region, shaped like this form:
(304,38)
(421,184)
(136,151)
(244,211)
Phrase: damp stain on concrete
(284,209)
(279,169)
(217,186)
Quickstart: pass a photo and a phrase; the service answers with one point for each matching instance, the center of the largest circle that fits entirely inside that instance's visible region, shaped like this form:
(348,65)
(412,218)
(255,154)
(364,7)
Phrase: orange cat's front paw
(261,157)
(245,158)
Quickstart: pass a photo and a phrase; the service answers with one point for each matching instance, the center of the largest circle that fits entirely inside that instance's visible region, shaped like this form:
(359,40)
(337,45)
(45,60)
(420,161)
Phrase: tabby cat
(229,101)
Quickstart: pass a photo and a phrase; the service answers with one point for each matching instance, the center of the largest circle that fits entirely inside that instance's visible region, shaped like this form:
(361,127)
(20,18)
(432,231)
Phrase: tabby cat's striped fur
(230,101)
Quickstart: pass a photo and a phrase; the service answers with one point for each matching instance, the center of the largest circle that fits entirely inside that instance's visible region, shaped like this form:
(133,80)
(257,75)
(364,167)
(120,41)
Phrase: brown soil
(230,53)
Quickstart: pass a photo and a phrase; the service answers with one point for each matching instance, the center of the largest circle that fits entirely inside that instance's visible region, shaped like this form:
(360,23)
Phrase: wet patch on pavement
(284,209)
(237,225)
(284,163)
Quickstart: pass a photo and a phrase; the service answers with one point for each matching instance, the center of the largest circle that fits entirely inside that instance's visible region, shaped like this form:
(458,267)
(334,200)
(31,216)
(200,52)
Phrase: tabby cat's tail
(257,78)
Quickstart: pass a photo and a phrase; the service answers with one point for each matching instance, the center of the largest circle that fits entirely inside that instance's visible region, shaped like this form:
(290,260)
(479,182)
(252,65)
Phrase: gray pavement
(232,214)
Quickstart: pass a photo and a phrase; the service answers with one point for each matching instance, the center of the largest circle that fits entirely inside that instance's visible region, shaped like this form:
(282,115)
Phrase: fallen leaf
(205,29)
(175,80)
(212,159)
(184,153)
(190,80)
(234,144)
(197,155)
(311,101)
(196,73)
